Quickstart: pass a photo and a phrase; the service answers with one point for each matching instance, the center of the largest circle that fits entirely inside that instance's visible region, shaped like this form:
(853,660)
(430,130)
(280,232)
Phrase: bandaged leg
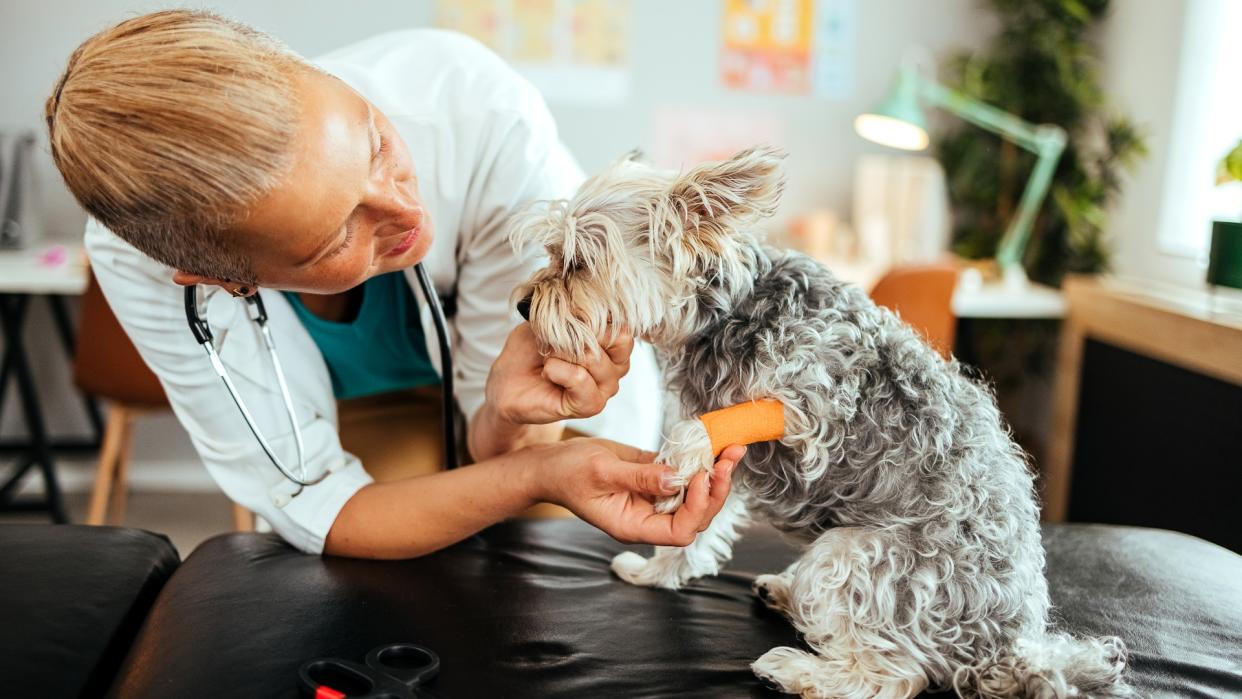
(693,445)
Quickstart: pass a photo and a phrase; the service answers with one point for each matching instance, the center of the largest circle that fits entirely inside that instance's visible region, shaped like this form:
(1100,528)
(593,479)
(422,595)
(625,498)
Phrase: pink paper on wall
(685,136)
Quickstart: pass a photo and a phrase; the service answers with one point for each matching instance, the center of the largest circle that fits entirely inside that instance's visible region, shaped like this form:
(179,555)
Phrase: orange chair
(111,369)
(923,296)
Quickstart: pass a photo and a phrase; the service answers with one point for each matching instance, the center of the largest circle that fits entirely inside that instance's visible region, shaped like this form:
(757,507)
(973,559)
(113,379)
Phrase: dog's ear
(743,189)
(539,223)
(571,242)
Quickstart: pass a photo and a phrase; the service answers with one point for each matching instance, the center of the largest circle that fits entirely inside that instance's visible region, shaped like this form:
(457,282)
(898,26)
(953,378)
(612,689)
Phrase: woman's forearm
(415,516)
(490,434)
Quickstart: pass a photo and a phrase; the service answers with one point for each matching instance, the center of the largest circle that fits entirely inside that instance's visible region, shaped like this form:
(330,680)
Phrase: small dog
(923,565)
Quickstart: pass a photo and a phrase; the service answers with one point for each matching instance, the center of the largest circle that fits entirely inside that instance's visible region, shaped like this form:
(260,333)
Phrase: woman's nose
(397,201)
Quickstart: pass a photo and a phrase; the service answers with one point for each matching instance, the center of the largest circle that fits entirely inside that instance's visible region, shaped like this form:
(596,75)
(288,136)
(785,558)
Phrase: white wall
(1141,47)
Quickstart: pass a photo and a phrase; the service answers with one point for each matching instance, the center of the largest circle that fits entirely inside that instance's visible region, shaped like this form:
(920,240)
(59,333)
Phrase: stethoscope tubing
(258,314)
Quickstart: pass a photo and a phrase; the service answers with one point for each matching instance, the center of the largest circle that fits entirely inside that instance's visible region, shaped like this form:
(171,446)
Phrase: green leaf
(1231,166)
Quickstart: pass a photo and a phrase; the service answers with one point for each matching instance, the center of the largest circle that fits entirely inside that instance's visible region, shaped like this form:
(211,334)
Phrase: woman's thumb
(653,479)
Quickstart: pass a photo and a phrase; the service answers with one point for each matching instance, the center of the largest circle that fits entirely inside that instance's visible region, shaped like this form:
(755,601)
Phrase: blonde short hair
(168,127)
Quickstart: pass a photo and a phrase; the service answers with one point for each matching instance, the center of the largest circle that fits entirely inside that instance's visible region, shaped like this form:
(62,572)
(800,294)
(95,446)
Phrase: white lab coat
(483,143)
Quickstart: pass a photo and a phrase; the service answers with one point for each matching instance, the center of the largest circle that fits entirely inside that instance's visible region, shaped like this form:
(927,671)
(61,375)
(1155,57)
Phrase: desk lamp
(899,123)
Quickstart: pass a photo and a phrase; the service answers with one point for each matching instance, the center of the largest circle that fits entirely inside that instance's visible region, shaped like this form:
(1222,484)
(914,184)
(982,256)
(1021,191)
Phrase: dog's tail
(1052,665)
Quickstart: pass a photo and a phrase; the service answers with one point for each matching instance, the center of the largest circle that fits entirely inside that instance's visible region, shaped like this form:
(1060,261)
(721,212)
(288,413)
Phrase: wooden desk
(1169,325)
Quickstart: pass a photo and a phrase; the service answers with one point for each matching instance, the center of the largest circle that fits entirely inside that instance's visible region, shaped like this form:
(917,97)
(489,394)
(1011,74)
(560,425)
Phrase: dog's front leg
(672,566)
(688,449)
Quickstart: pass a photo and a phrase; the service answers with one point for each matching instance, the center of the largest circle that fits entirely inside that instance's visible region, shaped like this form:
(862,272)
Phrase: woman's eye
(384,145)
(349,236)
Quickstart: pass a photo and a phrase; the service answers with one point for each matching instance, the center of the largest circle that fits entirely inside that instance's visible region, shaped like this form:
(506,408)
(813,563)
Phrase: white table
(996,300)
(29,271)
(989,299)
(53,270)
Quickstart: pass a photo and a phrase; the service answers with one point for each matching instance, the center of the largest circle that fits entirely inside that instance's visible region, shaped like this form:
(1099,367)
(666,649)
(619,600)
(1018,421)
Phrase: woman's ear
(234,288)
(188,279)
(742,189)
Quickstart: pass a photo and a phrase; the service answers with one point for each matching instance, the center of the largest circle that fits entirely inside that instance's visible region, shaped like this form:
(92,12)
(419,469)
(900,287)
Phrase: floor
(187,519)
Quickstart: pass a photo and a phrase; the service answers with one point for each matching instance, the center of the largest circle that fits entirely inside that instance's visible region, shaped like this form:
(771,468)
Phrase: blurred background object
(923,296)
(1225,249)
(20,204)
(899,123)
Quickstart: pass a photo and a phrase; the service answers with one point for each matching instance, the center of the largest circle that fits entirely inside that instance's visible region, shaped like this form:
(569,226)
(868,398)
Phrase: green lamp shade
(899,121)
(1225,258)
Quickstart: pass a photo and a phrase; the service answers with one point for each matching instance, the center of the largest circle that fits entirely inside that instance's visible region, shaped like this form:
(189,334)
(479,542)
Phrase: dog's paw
(657,571)
(784,669)
(671,503)
(629,566)
(688,450)
(773,590)
(772,669)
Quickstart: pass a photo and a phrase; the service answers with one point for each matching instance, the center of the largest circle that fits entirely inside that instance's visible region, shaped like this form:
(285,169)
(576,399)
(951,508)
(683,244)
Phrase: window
(1207,122)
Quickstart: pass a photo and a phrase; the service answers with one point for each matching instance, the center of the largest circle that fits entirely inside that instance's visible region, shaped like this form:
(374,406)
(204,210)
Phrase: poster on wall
(795,47)
(574,51)
(686,136)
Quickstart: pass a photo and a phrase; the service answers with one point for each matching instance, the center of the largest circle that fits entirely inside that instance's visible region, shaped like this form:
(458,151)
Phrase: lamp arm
(982,114)
(1047,141)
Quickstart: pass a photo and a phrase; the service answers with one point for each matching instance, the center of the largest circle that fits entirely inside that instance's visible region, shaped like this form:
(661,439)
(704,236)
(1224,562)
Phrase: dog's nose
(523,308)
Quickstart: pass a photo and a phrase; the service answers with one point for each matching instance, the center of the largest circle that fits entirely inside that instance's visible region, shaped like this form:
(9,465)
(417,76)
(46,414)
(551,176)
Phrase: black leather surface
(72,599)
(529,609)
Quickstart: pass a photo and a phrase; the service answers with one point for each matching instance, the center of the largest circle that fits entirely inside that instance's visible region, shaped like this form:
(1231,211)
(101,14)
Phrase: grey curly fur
(923,563)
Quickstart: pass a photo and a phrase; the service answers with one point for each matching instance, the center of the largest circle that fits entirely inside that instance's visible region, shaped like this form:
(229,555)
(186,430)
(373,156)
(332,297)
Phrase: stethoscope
(258,314)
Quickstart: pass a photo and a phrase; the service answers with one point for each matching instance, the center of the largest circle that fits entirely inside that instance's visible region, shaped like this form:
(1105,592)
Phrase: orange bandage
(745,423)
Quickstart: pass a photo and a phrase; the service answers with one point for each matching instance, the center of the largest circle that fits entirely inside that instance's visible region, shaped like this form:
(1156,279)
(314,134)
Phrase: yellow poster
(572,50)
(534,27)
(477,18)
(599,32)
(767,45)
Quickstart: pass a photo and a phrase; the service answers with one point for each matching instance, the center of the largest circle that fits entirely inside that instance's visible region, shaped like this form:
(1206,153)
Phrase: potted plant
(1225,256)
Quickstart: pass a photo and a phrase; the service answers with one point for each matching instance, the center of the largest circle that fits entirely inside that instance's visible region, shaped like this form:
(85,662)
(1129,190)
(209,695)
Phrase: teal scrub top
(383,349)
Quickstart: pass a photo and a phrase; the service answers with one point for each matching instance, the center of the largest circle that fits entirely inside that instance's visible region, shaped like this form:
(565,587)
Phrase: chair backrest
(106,363)
(923,296)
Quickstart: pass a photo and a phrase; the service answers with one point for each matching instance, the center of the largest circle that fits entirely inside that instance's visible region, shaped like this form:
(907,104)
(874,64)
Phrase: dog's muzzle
(523,308)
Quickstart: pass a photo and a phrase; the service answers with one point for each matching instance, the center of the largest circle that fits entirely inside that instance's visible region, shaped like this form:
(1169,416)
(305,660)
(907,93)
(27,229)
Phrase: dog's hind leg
(842,596)
(774,589)
(672,566)
(799,672)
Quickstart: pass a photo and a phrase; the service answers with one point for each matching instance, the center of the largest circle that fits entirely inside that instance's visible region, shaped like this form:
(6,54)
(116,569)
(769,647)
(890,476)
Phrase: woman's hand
(526,388)
(613,487)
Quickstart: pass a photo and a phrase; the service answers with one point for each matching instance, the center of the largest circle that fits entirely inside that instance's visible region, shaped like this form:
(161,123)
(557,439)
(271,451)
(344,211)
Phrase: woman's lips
(407,242)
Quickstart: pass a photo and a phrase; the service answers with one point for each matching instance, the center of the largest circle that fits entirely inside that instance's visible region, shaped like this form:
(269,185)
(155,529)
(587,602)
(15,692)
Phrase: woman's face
(349,208)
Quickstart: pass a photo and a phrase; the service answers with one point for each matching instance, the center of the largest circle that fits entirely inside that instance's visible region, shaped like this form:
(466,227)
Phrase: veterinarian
(209,154)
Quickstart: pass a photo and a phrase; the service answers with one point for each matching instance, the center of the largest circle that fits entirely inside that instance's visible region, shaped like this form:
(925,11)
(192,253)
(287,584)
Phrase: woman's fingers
(722,482)
(582,396)
(691,517)
(619,350)
(612,362)
(648,479)
(733,452)
(626,452)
